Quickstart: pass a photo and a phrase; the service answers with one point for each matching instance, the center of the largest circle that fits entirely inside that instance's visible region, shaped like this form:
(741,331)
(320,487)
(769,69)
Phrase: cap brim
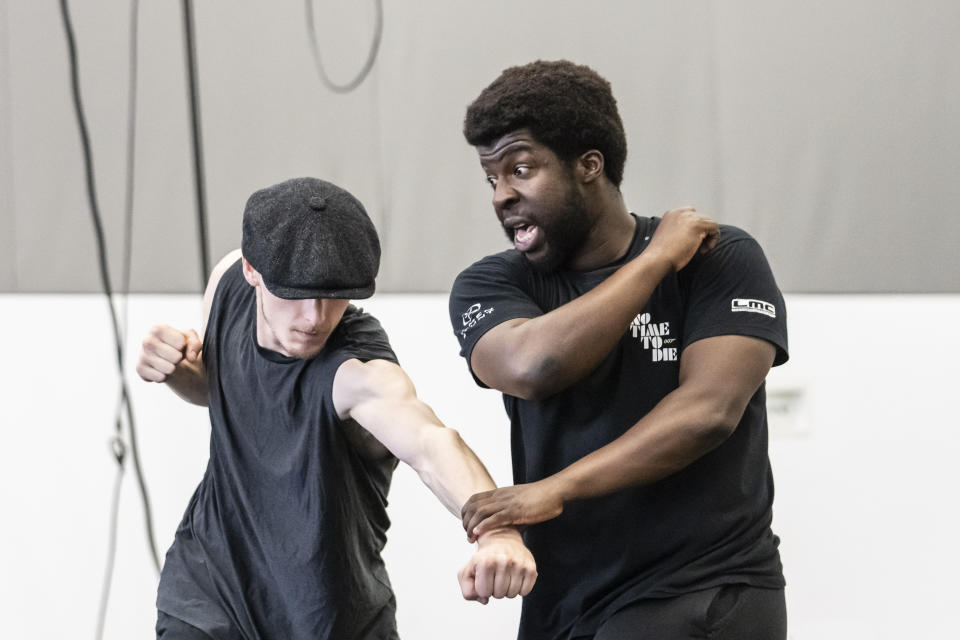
(297,293)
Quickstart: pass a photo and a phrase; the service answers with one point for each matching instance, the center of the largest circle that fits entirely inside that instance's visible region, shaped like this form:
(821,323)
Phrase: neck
(611,234)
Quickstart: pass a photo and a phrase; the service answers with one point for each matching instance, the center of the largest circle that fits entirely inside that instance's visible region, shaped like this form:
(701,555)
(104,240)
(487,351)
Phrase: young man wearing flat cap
(309,413)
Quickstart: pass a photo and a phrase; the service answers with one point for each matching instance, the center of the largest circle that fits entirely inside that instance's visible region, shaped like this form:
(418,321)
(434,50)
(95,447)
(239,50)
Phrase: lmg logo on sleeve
(753,306)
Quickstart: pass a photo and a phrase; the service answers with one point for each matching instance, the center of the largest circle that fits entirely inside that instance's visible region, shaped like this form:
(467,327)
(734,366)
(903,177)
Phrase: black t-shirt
(706,525)
(282,537)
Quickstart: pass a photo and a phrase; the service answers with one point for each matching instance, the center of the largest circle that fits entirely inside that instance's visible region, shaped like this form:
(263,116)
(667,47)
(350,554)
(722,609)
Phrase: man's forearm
(189,382)
(718,376)
(678,431)
(537,357)
(546,354)
(450,468)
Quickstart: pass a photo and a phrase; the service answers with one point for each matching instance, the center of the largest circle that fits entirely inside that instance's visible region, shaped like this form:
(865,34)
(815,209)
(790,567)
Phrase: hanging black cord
(191,58)
(104,272)
(117,444)
(119,452)
(131,154)
(371,56)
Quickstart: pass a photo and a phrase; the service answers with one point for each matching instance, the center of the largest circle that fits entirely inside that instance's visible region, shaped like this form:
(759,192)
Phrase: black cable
(104,271)
(371,56)
(191,58)
(131,154)
(119,452)
(117,444)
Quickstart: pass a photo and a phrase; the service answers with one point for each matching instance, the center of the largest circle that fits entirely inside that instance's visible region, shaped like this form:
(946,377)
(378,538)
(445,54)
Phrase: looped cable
(119,449)
(371,56)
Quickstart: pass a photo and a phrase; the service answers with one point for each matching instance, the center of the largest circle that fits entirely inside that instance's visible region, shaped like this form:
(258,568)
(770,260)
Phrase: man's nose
(504,195)
(311,309)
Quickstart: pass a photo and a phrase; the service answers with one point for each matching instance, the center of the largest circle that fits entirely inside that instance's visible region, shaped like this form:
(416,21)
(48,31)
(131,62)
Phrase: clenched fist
(173,356)
(502,567)
(163,349)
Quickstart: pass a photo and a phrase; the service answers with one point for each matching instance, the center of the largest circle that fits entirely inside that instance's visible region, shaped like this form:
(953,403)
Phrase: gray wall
(827,129)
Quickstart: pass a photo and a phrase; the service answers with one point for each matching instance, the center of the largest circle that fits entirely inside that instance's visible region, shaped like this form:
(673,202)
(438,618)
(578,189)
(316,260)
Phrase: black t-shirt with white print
(706,525)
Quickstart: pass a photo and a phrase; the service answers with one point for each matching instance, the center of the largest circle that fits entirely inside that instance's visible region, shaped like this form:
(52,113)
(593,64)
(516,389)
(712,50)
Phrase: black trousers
(730,612)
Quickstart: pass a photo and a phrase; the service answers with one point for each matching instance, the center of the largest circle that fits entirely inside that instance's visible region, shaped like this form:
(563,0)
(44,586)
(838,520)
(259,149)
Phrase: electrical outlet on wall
(786,412)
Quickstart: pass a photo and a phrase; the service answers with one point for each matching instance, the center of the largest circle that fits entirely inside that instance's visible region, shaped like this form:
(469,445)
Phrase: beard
(565,233)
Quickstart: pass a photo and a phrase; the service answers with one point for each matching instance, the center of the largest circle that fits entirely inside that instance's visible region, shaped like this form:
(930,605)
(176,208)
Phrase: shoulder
(227,271)
(229,263)
(360,335)
(366,376)
(736,250)
(502,275)
(731,235)
(504,264)
(357,384)
(357,381)
(731,289)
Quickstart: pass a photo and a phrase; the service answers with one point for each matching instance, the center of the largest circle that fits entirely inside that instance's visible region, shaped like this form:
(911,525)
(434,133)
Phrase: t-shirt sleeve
(364,338)
(732,291)
(486,294)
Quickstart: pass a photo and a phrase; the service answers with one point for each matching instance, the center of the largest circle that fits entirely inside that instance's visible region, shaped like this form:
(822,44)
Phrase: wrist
(560,486)
(510,533)
(657,260)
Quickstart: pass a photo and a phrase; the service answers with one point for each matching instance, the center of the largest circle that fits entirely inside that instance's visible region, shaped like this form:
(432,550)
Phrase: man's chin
(545,262)
(302,351)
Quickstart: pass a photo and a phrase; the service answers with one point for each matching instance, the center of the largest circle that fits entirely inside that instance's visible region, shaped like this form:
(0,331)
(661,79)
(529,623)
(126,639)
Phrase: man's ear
(590,165)
(252,275)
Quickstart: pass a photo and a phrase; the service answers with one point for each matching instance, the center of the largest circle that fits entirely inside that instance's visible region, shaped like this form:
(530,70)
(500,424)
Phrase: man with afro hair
(631,352)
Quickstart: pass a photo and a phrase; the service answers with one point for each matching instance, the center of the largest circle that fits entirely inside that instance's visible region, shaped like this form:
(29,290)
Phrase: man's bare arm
(718,376)
(537,357)
(380,397)
(173,356)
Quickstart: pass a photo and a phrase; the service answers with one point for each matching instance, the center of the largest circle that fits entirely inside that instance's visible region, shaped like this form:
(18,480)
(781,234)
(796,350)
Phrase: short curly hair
(568,107)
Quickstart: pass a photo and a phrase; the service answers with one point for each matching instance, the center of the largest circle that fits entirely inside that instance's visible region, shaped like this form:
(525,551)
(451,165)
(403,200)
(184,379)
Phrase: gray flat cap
(309,238)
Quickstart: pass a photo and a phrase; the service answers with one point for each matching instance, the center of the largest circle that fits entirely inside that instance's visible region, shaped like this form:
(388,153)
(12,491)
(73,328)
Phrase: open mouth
(525,236)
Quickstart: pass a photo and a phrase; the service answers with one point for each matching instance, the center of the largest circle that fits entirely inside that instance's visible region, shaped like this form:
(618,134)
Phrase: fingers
(528,580)
(517,580)
(484,515)
(522,578)
(502,579)
(711,238)
(494,577)
(501,575)
(683,233)
(485,577)
(489,522)
(193,345)
(471,518)
(467,578)
(691,214)
(470,506)
(516,505)
(163,349)
(469,515)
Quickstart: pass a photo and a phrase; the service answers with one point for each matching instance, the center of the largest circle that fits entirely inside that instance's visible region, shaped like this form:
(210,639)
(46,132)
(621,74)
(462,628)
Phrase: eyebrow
(505,151)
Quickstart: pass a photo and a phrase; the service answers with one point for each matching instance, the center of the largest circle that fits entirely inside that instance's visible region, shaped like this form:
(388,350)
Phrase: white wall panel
(865,478)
